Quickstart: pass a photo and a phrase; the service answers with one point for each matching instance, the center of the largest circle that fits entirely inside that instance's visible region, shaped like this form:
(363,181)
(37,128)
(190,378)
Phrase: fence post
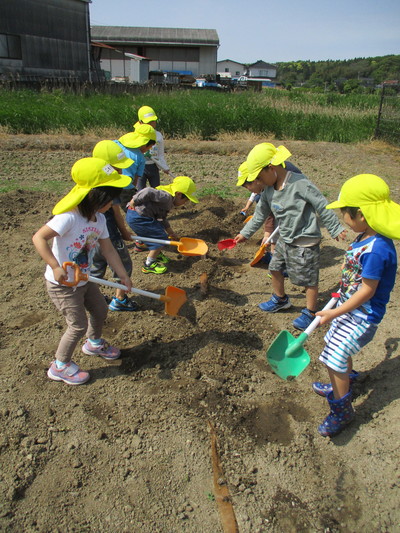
(379,112)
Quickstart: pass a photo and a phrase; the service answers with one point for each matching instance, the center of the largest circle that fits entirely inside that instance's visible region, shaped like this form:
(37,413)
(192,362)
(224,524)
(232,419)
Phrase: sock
(150,261)
(96,342)
(60,364)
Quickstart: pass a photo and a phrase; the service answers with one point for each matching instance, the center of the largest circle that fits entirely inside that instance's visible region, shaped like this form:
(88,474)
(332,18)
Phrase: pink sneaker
(70,374)
(104,350)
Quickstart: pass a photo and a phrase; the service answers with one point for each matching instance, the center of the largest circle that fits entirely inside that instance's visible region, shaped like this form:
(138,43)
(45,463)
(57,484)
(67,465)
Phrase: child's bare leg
(340,383)
(153,254)
(278,283)
(120,294)
(312,298)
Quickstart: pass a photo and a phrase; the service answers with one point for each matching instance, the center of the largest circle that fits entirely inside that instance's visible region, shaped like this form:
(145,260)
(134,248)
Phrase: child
(113,154)
(135,144)
(76,228)
(147,216)
(368,277)
(269,224)
(155,158)
(295,202)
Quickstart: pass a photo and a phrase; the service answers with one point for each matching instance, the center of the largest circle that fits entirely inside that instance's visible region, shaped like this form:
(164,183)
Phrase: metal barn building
(187,51)
(45,39)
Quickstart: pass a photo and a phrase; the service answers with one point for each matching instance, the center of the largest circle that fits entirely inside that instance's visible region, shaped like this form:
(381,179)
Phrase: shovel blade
(259,254)
(284,365)
(226,244)
(174,299)
(188,246)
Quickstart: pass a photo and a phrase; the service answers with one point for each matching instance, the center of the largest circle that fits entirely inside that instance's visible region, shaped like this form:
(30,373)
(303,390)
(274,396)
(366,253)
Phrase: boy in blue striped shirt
(368,277)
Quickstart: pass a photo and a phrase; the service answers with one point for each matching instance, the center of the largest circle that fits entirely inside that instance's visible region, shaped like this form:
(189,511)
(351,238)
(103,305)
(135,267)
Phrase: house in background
(261,69)
(45,39)
(230,69)
(182,50)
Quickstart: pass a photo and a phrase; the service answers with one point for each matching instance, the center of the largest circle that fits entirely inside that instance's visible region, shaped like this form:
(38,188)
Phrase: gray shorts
(301,263)
(99,265)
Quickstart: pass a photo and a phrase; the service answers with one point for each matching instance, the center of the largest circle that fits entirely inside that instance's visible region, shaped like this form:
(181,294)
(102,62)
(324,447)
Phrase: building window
(226,69)
(237,73)
(10,46)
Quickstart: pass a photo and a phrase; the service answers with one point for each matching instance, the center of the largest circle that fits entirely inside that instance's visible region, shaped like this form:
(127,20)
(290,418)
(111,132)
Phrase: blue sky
(285,30)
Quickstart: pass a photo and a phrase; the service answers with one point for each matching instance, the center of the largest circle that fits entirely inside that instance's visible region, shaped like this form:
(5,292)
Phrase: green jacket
(298,210)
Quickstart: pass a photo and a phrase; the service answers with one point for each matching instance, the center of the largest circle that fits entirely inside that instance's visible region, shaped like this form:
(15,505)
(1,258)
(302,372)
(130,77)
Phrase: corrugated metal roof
(126,34)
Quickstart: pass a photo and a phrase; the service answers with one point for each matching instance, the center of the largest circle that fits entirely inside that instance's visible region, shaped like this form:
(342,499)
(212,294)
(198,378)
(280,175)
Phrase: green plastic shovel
(286,355)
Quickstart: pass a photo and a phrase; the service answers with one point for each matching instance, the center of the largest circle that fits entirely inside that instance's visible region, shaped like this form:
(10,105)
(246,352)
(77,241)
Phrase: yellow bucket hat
(372,195)
(112,153)
(265,154)
(89,173)
(181,184)
(142,135)
(146,114)
(242,174)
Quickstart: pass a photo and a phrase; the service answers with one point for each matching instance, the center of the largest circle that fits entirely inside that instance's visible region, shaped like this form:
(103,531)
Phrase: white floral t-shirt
(77,240)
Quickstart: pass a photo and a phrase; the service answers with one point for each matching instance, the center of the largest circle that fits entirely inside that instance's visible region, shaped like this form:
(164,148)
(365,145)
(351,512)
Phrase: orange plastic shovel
(261,251)
(186,245)
(174,298)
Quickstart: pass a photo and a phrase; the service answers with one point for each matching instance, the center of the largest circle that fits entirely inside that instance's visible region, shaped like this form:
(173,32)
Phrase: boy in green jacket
(297,206)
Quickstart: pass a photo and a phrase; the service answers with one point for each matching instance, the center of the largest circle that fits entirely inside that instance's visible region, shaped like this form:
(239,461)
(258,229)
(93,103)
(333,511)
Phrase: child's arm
(261,213)
(40,240)
(119,219)
(365,293)
(171,233)
(114,260)
(247,206)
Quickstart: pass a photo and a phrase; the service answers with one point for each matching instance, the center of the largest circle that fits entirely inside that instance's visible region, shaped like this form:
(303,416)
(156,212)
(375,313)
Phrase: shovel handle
(272,235)
(78,276)
(159,241)
(317,319)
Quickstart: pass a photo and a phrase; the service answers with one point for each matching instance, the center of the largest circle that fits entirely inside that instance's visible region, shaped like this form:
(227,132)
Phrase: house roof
(262,64)
(230,61)
(134,35)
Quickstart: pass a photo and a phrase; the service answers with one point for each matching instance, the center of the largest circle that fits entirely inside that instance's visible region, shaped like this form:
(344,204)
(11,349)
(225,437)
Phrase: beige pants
(73,302)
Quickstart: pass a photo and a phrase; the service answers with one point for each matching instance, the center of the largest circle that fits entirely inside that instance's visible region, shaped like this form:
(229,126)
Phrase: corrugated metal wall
(54,38)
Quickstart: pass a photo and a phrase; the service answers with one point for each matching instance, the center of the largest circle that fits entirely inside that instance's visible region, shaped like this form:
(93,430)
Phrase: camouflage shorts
(301,263)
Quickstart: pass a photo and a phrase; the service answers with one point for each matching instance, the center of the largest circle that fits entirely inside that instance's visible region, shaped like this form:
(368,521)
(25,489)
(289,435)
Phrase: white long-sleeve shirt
(156,153)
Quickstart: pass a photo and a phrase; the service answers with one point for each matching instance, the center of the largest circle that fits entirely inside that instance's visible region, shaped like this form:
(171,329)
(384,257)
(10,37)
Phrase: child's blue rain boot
(323,389)
(342,413)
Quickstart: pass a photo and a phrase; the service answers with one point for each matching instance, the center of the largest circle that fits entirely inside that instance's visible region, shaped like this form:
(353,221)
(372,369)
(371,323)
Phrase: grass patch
(196,115)
(221,191)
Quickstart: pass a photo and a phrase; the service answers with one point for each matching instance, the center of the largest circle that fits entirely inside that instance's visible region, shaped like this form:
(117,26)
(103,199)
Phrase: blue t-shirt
(137,168)
(372,258)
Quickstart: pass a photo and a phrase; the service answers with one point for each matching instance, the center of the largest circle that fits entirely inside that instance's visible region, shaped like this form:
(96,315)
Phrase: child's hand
(59,274)
(239,238)
(341,235)
(326,316)
(126,280)
(127,236)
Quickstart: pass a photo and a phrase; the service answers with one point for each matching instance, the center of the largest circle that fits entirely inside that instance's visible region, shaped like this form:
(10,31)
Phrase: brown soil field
(130,451)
